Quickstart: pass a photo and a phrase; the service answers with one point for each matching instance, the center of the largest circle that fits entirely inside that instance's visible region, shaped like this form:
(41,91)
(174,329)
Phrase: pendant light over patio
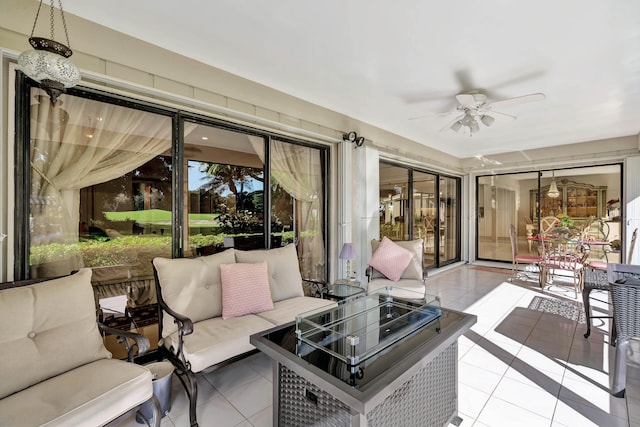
(48,63)
(553,188)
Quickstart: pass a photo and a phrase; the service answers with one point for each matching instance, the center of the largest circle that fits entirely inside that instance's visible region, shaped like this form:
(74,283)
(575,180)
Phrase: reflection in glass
(394,185)
(225,184)
(425,207)
(100,197)
(449,220)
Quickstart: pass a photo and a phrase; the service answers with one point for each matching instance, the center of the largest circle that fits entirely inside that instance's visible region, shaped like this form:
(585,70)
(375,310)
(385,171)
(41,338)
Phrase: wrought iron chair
(568,257)
(624,281)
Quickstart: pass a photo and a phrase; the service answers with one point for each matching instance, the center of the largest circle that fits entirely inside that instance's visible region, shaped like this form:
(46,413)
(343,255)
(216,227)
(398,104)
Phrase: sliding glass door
(432,213)
(585,196)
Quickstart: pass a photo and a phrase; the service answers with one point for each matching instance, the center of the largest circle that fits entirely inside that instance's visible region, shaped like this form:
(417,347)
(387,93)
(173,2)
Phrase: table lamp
(348,253)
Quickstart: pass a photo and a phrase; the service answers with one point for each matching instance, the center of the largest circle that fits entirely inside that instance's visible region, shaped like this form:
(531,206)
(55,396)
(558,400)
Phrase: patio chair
(596,279)
(54,367)
(413,278)
(516,257)
(624,281)
(569,258)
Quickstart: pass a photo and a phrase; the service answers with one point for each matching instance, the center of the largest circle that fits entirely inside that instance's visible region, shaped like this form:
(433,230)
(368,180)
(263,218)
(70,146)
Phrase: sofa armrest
(125,337)
(321,288)
(185,324)
(369,272)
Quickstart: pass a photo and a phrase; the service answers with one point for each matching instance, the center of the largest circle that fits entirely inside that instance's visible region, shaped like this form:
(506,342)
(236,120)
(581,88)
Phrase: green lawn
(161,217)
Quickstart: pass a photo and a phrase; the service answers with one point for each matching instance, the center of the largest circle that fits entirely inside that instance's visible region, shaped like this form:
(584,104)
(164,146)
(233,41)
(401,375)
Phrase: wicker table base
(428,398)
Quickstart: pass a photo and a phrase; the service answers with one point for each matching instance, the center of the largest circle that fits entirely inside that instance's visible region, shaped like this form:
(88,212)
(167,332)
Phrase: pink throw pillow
(245,289)
(390,259)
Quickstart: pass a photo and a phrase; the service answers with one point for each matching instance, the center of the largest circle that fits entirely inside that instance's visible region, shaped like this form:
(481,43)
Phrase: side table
(341,291)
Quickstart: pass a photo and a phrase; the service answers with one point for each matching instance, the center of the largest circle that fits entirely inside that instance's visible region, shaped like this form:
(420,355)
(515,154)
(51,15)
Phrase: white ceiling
(384,62)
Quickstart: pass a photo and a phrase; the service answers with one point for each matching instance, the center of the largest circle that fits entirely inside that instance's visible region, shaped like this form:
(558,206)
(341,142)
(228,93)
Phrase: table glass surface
(362,328)
(385,340)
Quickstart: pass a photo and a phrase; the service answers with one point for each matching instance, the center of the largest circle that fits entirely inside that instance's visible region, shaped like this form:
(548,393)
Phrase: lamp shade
(42,66)
(347,251)
(487,120)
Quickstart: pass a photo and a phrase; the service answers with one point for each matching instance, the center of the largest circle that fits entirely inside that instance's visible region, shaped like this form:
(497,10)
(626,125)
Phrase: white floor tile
(263,418)
(586,392)
(478,378)
(572,413)
(252,397)
(499,413)
(471,401)
(232,376)
(533,398)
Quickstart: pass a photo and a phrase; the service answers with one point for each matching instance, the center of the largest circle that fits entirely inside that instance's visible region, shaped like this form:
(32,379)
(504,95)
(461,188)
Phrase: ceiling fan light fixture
(456,126)
(474,126)
(487,120)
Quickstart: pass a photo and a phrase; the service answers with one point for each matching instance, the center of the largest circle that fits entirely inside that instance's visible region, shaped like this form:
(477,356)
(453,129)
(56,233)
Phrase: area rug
(567,309)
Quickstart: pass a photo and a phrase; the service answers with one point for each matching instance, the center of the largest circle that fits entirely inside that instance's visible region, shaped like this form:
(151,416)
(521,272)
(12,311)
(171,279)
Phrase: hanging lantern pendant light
(48,63)
(553,187)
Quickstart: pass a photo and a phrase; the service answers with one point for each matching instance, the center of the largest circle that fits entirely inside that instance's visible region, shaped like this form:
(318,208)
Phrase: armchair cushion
(390,259)
(285,280)
(414,268)
(54,320)
(192,286)
(90,395)
(245,289)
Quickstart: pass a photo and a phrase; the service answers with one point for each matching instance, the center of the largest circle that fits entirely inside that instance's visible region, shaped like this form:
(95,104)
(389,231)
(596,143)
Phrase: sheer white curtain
(78,143)
(298,170)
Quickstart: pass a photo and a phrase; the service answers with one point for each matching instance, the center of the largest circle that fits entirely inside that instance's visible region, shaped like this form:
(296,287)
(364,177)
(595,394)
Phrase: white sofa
(54,368)
(193,333)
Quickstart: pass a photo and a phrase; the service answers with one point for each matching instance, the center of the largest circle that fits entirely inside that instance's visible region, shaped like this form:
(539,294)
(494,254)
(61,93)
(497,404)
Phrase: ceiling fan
(476,109)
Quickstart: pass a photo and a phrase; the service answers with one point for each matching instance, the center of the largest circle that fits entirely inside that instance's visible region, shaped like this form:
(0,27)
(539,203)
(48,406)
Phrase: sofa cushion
(245,289)
(286,310)
(216,340)
(414,269)
(46,329)
(192,286)
(90,395)
(390,259)
(285,280)
(407,288)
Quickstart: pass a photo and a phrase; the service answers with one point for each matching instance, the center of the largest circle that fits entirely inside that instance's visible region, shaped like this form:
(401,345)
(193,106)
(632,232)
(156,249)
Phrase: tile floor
(524,363)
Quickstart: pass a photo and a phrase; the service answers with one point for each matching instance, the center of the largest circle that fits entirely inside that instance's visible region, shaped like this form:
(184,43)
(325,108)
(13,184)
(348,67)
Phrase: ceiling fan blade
(424,116)
(501,116)
(450,123)
(466,100)
(517,100)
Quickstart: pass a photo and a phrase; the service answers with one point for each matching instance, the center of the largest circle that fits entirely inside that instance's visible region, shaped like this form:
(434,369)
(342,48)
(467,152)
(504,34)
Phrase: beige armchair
(54,368)
(413,278)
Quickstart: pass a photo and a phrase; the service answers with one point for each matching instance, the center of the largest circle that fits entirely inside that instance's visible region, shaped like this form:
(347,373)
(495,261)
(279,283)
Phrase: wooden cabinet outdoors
(576,200)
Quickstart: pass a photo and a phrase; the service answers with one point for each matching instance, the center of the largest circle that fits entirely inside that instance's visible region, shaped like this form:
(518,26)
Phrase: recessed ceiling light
(205,138)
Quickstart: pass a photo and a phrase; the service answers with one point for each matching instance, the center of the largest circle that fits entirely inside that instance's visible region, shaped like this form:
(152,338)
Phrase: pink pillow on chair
(390,259)
(245,289)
